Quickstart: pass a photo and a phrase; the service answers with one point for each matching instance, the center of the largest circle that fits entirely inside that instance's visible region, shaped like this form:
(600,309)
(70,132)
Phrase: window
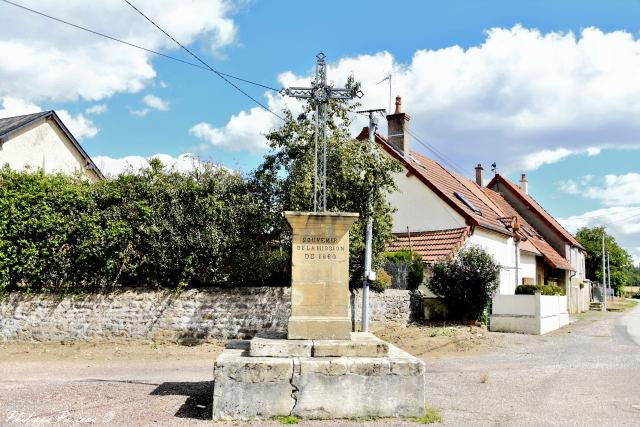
(467,202)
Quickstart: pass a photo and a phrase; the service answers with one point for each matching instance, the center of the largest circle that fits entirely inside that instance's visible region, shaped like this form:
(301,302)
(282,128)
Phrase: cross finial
(398,105)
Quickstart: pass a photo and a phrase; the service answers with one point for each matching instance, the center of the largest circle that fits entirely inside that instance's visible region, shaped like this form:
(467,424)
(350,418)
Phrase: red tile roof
(495,213)
(531,203)
(446,184)
(431,245)
(534,239)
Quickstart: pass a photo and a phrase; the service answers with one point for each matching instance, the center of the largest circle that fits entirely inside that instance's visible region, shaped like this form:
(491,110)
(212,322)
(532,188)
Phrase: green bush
(157,228)
(550,289)
(465,282)
(415,273)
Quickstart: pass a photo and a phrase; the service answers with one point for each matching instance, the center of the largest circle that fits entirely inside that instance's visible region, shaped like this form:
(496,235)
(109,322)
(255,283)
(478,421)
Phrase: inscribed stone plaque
(320,275)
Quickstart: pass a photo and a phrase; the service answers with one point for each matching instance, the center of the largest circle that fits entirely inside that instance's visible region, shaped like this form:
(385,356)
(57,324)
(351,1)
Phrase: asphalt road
(585,374)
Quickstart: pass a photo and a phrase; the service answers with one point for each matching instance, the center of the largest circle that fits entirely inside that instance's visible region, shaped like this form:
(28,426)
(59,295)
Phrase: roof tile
(431,245)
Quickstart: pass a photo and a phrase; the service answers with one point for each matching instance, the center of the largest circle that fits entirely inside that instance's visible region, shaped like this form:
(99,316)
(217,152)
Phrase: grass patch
(431,415)
(621,304)
(289,419)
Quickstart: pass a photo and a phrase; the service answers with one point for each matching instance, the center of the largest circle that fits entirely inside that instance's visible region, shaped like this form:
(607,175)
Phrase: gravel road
(585,374)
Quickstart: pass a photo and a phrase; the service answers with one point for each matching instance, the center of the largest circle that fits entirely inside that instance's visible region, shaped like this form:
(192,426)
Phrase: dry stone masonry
(193,315)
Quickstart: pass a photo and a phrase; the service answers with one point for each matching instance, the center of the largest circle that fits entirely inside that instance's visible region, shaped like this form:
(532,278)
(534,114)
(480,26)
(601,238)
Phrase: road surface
(585,374)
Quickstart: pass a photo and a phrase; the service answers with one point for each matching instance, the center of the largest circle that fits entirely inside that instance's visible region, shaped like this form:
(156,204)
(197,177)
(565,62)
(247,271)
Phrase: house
(42,141)
(574,280)
(438,211)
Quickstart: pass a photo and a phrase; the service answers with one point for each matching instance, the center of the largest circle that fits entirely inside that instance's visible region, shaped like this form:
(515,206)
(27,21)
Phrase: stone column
(320,275)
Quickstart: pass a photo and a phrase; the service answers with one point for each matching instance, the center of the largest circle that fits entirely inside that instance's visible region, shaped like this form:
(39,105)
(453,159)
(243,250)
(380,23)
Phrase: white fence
(528,314)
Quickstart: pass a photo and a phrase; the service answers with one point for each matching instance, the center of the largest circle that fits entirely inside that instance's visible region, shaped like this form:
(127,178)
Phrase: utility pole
(368,274)
(609,272)
(604,273)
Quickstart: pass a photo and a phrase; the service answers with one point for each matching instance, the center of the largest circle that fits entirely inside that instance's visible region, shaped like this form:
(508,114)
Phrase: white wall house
(438,211)
(573,279)
(41,141)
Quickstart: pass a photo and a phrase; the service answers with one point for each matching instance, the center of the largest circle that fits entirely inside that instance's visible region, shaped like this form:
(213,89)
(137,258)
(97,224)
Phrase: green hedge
(543,289)
(157,228)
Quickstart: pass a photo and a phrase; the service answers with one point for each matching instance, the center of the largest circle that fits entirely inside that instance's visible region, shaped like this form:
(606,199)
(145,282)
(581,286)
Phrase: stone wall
(393,305)
(190,316)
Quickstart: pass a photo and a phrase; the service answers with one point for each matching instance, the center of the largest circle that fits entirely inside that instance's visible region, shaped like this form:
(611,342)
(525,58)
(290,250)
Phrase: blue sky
(491,100)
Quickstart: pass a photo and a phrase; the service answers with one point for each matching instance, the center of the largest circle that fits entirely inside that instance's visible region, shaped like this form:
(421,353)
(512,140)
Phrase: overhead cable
(223,77)
(173,58)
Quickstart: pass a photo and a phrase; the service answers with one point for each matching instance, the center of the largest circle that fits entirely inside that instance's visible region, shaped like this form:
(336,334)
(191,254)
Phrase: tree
(466,282)
(284,181)
(633,275)
(620,260)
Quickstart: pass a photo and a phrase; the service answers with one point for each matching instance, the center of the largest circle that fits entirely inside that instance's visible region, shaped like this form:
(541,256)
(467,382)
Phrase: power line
(442,157)
(609,214)
(452,164)
(173,58)
(204,63)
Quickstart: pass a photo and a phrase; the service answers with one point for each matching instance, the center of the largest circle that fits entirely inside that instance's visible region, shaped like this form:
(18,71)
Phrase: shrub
(412,263)
(465,282)
(157,228)
(550,289)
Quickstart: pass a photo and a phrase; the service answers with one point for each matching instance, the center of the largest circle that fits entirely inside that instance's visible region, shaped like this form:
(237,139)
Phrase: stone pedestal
(320,275)
(250,387)
(323,370)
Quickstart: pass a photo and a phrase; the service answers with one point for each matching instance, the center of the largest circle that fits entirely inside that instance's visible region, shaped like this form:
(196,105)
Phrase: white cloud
(244,131)
(521,98)
(615,190)
(17,107)
(138,113)
(618,190)
(574,186)
(622,222)
(544,157)
(52,62)
(80,126)
(97,109)
(113,166)
(156,103)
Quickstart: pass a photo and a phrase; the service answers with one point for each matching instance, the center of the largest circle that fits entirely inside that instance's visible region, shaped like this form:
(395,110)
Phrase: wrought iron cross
(321,93)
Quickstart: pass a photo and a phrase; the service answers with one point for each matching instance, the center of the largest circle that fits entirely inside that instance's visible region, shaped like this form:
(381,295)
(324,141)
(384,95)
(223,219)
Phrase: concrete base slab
(318,387)
(361,344)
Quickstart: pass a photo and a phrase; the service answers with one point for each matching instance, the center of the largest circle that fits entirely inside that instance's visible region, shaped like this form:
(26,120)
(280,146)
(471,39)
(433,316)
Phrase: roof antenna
(494,168)
(388,77)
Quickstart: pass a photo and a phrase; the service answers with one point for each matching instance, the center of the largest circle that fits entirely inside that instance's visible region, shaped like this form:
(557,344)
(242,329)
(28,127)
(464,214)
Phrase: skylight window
(467,202)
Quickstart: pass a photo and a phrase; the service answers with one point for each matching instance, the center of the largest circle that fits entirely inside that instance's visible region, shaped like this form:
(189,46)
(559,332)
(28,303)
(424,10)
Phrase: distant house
(563,242)
(438,211)
(42,141)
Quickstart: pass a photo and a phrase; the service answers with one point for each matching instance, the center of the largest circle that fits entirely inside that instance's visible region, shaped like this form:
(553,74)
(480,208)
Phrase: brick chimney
(524,184)
(479,175)
(398,124)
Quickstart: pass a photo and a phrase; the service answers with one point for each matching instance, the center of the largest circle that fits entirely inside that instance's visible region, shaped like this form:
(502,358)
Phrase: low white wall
(528,314)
